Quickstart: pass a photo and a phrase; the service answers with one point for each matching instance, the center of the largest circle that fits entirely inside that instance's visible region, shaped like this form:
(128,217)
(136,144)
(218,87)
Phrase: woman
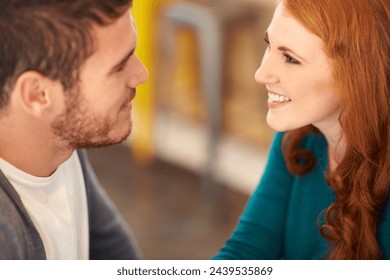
(325,191)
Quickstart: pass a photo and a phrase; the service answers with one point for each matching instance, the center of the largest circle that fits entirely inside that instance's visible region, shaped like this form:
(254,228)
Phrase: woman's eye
(290,59)
(266,40)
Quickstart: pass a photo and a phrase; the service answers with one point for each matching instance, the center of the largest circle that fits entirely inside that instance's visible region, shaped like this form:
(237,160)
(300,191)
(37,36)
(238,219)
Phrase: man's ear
(32,92)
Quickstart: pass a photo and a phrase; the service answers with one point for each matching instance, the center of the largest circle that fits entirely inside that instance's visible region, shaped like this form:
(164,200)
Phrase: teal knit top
(283,216)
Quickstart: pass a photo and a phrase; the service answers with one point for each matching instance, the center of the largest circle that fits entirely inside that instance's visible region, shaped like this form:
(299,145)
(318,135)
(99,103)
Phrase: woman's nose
(266,73)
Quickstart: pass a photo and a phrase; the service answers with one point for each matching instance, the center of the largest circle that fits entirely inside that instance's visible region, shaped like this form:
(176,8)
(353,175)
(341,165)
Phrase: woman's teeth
(278,98)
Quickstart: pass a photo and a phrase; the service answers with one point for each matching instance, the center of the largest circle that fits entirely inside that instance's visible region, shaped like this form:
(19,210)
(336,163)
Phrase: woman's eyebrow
(284,49)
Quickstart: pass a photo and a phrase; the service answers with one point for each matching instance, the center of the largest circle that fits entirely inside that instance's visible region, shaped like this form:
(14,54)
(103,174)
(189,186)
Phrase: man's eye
(290,59)
(120,68)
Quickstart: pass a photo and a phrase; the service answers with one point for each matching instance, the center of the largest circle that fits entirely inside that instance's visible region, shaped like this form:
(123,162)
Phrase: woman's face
(298,76)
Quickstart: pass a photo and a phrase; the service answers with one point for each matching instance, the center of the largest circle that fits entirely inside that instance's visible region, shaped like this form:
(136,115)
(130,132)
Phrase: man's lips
(129,98)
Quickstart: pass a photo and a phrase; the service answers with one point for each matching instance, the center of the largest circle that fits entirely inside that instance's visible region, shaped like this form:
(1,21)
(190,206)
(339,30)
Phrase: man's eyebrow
(122,62)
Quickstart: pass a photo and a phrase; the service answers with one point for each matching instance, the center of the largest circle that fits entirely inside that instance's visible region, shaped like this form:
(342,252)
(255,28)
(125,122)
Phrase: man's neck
(31,150)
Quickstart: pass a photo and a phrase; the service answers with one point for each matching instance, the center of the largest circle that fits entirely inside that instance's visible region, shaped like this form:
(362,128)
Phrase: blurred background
(199,141)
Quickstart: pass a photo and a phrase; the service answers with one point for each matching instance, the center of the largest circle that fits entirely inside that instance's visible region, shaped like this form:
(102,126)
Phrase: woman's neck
(336,146)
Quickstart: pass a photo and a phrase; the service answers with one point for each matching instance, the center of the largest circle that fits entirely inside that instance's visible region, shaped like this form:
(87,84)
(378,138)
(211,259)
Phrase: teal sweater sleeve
(259,234)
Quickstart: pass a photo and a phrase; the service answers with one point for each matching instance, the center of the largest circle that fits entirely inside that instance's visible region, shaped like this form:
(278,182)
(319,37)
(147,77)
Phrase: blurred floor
(171,216)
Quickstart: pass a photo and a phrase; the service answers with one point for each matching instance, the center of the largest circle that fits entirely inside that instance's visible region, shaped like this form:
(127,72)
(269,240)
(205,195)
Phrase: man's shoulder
(11,225)
(8,199)
(19,238)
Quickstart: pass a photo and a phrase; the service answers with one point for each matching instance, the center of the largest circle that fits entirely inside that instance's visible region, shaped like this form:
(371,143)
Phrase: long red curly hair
(356,34)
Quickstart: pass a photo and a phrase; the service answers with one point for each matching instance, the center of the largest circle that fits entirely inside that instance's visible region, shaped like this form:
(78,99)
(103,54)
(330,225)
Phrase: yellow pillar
(143,114)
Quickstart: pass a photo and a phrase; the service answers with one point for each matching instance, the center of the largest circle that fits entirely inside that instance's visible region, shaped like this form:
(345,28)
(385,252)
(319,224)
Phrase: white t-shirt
(57,206)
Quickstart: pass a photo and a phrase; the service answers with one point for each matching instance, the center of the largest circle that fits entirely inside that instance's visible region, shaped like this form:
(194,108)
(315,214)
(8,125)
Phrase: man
(68,74)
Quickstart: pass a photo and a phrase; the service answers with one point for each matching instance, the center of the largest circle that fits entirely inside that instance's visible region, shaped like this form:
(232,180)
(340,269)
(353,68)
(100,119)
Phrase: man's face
(98,112)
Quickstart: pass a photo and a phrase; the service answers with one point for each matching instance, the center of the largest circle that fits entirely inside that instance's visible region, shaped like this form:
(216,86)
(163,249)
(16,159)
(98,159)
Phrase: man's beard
(75,128)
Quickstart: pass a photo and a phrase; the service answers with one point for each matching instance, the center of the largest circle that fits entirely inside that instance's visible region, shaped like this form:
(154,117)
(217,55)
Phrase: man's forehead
(113,42)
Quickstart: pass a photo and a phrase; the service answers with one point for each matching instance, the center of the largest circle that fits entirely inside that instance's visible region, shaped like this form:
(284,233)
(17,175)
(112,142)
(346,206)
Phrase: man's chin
(101,142)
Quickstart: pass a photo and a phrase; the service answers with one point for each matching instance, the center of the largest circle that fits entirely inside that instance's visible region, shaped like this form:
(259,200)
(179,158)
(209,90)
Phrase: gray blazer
(109,237)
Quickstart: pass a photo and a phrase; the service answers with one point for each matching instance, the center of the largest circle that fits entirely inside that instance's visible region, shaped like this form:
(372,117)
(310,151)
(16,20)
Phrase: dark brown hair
(52,37)
(356,34)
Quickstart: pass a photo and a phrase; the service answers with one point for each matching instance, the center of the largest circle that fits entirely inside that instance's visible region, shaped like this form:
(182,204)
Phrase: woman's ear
(32,92)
